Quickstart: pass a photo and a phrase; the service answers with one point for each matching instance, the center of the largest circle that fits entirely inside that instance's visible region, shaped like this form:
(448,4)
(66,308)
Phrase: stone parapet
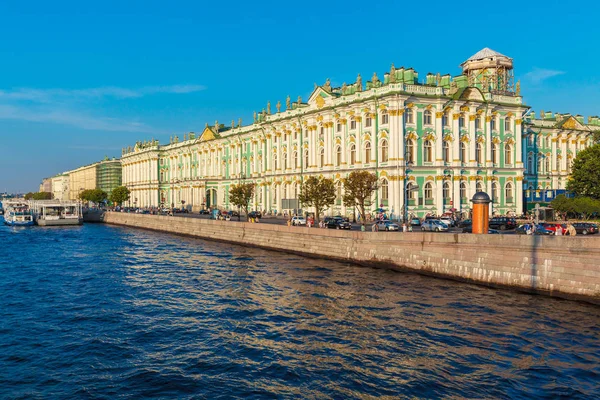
(557,265)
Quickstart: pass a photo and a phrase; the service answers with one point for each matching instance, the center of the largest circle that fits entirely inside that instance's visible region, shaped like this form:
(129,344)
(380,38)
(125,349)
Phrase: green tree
(585,175)
(119,195)
(586,207)
(358,190)
(596,136)
(318,193)
(28,196)
(563,205)
(42,196)
(94,195)
(241,195)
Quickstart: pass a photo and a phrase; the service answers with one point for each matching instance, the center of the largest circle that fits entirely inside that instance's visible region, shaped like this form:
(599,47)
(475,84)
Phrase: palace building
(433,144)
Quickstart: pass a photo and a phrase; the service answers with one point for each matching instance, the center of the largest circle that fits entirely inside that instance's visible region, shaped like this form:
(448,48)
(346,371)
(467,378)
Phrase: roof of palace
(486,53)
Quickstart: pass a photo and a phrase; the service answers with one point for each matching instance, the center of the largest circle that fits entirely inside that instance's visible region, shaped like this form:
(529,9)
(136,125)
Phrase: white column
(472,141)
(518,143)
(456,142)
(439,139)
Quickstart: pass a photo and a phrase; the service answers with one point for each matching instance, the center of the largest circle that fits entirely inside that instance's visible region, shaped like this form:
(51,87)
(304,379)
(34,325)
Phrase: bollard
(481,207)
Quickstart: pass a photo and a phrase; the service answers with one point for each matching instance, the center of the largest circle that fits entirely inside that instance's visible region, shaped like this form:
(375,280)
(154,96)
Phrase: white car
(387,225)
(434,225)
(447,220)
(297,221)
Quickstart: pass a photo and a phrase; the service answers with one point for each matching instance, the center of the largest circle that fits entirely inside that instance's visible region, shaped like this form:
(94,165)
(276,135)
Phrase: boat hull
(18,223)
(59,222)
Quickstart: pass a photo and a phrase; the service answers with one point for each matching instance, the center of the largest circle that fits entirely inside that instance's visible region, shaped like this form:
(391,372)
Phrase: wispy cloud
(78,119)
(51,95)
(538,75)
(79,107)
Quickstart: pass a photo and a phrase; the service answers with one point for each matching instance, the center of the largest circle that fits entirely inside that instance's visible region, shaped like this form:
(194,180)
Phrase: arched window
(352,154)
(494,153)
(539,165)
(507,124)
(427,117)
(338,156)
(384,150)
(508,192)
(412,191)
(495,192)
(384,190)
(446,190)
(479,186)
(274,162)
(322,157)
(548,165)
(428,191)
(410,151)
(530,164)
(285,161)
(507,154)
(427,151)
(409,116)
(367,152)
(478,152)
(461,121)
(463,152)
(463,190)
(385,118)
(295,159)
(446,151)
(445,120)
(305,158)
(493,124)
(477,123)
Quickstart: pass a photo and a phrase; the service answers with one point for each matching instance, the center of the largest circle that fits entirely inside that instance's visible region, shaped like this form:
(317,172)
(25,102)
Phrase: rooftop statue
(239,123)
(254,116)
(393,74)
(288,103)
(269,107)
(232,124)
(344,87)
(278,106)
(359,83)
(375,79)
(327,85)
(518,91)
(299,100)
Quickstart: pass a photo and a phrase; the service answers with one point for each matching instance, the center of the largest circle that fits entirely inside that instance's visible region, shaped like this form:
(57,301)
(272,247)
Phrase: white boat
(17,213)
(56,212)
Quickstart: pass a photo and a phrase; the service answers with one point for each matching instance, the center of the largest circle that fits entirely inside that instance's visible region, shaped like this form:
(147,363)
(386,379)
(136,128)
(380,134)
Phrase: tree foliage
(241,195)
(38,196)
(94,195)
(119,195)
(596,136)
(317,192)
(580,207)
(358,190)
(585,175)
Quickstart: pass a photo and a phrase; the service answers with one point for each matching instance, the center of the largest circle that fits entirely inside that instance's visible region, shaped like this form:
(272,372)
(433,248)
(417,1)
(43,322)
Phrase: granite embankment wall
(560,266)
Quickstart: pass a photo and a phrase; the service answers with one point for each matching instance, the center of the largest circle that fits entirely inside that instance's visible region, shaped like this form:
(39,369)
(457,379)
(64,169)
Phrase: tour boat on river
(57,213)
(18,213)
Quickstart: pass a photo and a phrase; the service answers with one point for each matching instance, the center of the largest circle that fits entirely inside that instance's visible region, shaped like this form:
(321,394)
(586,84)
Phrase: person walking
(571,230)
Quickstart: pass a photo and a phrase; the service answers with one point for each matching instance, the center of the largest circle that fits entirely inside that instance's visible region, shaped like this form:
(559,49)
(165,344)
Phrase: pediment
(318,97)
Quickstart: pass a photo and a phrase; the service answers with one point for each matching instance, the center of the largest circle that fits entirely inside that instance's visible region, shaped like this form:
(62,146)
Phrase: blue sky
(79,81)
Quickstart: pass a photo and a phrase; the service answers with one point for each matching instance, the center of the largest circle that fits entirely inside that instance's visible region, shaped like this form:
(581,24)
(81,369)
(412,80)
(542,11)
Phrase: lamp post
(449,177)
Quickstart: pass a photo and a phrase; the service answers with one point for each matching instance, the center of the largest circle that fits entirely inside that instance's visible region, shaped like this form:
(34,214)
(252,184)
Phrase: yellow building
(80,179)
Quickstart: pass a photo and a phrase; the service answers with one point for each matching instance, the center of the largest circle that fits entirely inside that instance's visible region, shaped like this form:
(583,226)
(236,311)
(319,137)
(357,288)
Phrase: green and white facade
(448,137)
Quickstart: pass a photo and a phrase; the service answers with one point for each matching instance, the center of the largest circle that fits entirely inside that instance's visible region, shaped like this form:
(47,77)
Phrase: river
(103,312)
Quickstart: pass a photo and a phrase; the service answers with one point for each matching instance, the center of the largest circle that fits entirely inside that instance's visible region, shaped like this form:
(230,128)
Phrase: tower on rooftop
(490,71)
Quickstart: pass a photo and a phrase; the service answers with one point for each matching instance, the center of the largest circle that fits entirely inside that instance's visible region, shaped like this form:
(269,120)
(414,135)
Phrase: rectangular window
(368,122)
(338,127)
(385,118)
(353,124)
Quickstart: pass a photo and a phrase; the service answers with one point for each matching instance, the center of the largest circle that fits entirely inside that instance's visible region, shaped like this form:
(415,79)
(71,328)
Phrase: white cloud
(538,75)
(51,95)
(73,118)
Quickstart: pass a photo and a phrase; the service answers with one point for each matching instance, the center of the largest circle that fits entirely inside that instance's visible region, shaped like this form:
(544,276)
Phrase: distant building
(46,185)
(104,175)
(60,187)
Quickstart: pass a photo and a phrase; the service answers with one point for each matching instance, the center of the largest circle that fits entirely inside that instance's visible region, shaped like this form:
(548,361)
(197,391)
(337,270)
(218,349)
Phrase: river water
(102,312)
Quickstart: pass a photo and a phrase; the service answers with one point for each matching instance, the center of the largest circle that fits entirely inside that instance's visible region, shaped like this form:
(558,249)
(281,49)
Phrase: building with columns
(433,144)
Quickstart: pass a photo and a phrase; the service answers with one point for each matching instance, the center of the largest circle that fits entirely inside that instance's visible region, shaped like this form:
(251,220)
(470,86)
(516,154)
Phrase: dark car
(254,214)
(233,213)
(465,223)
(338,223)
(585,228)
(181,210)
(539,230)
(503,223)
(204,212)
(469,229)
(415,222)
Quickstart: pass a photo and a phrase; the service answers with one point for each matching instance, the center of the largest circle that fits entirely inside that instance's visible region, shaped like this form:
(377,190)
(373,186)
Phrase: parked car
(415,222)
(254,214)
(469,229)
(539,230)
(387,225)
(554,227)
(465,223)
(503,223)
(233,213)
(585,228)
(344,218)
(448,221)
(205,212)
(338,223)
(297,221)
(434,225)
(181,210)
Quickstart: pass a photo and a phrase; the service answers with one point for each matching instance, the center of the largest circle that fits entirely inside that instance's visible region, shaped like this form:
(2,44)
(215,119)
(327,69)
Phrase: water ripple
(104,312)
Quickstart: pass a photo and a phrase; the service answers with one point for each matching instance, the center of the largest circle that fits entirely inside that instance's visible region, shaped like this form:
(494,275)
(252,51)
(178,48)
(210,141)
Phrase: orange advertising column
(481,208)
